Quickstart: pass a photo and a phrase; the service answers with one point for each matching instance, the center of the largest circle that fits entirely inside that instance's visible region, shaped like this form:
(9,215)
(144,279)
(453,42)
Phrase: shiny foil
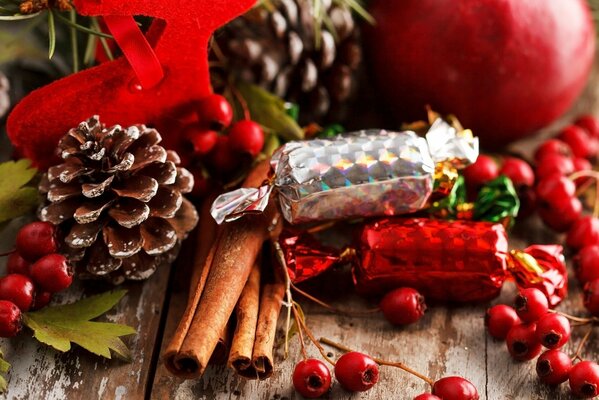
(361,174)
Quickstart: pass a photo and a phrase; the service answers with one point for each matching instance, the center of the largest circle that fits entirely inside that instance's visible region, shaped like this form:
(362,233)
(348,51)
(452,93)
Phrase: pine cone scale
(83,235)
(141,188)
(129,212)
(91,209)
(158,236)
(122,242)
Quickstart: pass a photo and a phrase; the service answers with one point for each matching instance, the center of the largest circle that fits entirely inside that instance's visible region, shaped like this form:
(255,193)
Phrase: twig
(321,349)
(381,361)
(574,318)
(581,344)
(299,332)
(332,308)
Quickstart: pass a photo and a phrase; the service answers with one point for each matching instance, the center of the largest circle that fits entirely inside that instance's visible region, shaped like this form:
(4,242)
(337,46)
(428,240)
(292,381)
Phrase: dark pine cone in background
(277,50)
(117,197)
(4,95)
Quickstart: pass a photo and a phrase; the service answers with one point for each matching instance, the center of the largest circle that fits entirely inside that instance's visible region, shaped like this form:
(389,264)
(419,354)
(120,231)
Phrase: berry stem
(302,325)
(332,308)
(583,321)
(8,253)
(241,101)
(380,361)
(595,176)
(289,303)
(299,333)
(581,344)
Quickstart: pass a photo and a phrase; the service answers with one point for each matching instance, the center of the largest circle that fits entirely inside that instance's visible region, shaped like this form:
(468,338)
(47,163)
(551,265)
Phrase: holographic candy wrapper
(367,173)
(456,261)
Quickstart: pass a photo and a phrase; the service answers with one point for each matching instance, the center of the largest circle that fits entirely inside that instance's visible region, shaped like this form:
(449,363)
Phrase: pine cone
(4,95)
(118,199)
(277,50)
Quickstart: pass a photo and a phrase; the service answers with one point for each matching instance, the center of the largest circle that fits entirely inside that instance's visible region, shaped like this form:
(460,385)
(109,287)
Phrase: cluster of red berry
(34,272)
(207,145)
(528,327)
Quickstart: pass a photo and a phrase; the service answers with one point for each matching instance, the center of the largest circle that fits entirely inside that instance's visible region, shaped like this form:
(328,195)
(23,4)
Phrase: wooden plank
(39,372)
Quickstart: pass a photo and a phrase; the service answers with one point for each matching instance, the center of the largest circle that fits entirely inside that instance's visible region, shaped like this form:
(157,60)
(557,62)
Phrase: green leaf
(15,198)
(270,111)
(4,367)
(59,326)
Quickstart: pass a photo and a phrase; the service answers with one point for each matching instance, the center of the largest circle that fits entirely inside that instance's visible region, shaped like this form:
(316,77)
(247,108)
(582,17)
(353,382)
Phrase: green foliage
(59,326)
(16,198)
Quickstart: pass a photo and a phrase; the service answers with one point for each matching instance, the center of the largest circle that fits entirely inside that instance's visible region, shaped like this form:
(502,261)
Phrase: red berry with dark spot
(552,146)
(579,141)
(561,215)
(356,372)
(518,170)
(36,239)
(591,297)
(554,187)
(215,112)
(311,378)
(584,379)
(18,289)
(17,264)
(590,124)
(500,319)
(201,141)
(554,164)
(10,319)
(553,331)
(41,300)
(52,273)
(403,306)
(247,137)
(427,396)
(583,232)
(455,388)
(531,304)
(553,367)
(482,171)
(586,264)
(522,342)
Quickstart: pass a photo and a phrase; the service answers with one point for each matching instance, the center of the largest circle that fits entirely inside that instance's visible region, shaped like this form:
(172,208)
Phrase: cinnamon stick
(270,307)
(240,357)
(237,249)
(206,239)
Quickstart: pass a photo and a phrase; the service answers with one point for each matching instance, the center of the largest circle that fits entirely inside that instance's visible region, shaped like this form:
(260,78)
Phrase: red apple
(505,67)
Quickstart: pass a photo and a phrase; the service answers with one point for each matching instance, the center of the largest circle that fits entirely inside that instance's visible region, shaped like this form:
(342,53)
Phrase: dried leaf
(4,367)
(59,326)
(16,199)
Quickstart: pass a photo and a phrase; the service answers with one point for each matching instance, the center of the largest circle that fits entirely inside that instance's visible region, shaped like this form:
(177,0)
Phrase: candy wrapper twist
(456,261)
(361,174)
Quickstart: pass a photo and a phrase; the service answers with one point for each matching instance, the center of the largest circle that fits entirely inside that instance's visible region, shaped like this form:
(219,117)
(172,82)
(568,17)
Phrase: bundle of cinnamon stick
(230,286)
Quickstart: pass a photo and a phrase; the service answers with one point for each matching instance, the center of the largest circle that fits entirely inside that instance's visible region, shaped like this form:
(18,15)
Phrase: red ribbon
(136,49)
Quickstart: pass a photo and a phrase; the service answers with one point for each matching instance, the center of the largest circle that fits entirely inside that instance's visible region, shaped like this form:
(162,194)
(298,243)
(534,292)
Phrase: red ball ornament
(450,55)
(403,306)
(247,137)
(455,388)
(311,378)
(356,372)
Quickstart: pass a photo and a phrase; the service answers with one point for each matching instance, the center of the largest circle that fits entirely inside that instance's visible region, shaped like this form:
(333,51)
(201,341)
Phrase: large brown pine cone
(118,199)
(277,50)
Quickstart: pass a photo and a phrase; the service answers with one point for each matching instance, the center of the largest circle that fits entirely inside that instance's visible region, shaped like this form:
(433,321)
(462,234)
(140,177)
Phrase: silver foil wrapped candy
(360,174)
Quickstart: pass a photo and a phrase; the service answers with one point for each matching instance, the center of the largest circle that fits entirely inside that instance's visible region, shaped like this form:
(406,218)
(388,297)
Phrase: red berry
(500,319)
(584,379)
(561,214)
(553,367)
(590,124)
(531,304)
(583,232)
(554,187)
(215,112)
(201,182)
(581,164)
(19,289)
(36,239)
(482,171)
(10,319)
(427,396)
(42,299)
(522,342)
(455,388)
(52,273)
(579,141)
(587,264)
(356,372)
(403,306)
(591,297)
(520,173)
(554,164)
(553,331)
(202,141)
(311,378)
(247,137)
(552,146)
(17,264)
(222,157)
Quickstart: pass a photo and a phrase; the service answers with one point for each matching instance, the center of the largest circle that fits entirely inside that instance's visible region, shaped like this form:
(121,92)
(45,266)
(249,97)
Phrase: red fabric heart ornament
(157,83)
